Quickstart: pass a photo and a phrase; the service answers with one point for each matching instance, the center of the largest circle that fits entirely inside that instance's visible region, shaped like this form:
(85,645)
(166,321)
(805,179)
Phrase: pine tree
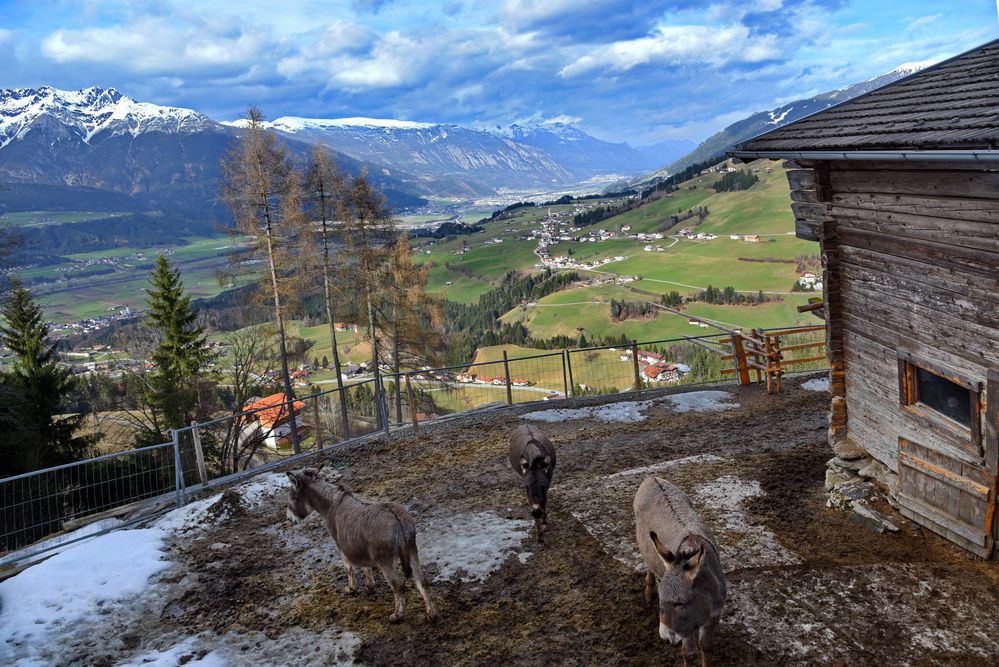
(34,435)
(181,356)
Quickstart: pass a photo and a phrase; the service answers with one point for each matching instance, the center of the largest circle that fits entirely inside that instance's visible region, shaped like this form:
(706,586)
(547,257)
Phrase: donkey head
(683,606)
(298,503)
(537,483)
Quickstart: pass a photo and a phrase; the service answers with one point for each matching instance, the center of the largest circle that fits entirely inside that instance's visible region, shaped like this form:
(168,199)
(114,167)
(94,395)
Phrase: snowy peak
(905,69)
(295,124)
(90,112)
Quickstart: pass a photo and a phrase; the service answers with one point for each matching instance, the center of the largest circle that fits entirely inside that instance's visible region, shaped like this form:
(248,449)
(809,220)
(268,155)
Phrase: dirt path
(806,585)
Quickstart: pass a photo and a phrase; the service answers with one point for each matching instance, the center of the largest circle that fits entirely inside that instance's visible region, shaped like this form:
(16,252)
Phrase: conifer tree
(328,194)
(181,355)
(261,189)
(34,433)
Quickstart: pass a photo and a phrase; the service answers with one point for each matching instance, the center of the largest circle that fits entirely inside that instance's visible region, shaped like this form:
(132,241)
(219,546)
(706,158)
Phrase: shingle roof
(273,410)
(953,105)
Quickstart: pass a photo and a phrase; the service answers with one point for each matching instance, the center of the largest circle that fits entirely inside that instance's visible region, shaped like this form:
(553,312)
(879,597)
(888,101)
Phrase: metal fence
(46,509)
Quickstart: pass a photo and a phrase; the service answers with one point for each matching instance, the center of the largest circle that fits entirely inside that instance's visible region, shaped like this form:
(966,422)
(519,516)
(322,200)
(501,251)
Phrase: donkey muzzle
(537,511)
(668,635)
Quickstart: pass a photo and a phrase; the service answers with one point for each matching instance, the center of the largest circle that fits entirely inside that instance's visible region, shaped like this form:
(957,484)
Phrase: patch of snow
(774,120)
(54,597)
(296,646)
(470,545)
(633,411)
(816,384)
(666,465)
(742,542)
(64,540)
(195,515)
(701,401)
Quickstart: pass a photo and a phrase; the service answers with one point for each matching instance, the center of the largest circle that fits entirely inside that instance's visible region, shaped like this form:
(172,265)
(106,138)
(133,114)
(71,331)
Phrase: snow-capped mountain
(90,112)
(450,159)
(163,157)
(717,144)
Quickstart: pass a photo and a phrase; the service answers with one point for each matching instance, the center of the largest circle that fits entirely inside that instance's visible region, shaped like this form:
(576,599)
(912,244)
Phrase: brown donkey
(368,534)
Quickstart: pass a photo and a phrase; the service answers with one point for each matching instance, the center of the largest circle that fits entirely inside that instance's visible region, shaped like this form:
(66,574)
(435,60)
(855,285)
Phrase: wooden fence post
(739,354)
(755,334)
(412,403)
(317,437)
(199,454)
(634,360)
(506,372)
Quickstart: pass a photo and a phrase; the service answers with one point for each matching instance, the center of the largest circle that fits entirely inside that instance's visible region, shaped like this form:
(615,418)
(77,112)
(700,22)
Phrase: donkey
(366,533)
(532,455)
(679,551)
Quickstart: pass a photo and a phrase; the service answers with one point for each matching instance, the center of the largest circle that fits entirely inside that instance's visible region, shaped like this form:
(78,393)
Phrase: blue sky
(639,71)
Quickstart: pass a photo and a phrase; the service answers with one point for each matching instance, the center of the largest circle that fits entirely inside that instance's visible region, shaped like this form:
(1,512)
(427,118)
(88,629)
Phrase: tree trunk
(380,413)
(329,316)
(396,366)
(282,349)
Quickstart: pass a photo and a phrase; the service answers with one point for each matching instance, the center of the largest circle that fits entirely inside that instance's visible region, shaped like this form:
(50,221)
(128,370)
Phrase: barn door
(950,494)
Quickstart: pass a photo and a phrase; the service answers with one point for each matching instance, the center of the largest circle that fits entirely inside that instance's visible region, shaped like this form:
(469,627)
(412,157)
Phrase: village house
(901,188)
(270,420)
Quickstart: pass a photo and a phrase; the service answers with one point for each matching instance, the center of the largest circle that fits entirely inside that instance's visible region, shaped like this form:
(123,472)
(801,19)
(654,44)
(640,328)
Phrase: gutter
(985,155)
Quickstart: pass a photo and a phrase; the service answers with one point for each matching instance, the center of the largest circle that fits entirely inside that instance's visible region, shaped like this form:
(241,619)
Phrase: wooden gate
(765,353)
(948,494)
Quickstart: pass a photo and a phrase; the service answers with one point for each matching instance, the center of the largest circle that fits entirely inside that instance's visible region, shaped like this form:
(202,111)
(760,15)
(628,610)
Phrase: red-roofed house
(271,418)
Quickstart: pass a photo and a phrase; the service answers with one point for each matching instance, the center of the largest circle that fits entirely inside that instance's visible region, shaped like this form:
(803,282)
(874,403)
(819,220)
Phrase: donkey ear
(296,477)
(664,553)
(693,562)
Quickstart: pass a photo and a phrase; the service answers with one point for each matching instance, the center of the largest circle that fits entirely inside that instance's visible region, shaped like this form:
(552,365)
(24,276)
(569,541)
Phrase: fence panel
(45,509)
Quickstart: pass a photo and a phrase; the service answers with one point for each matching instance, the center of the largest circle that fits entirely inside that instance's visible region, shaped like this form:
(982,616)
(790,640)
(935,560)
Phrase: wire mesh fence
(76,500)
(81,499)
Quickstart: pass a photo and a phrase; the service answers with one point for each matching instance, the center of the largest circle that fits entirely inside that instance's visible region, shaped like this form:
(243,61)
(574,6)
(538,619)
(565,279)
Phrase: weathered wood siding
(911,260)
(918,253)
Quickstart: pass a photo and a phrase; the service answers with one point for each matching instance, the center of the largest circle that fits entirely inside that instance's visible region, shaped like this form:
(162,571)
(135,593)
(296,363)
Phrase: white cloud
(5,35)
(155,45)
(925,21)
(678,44)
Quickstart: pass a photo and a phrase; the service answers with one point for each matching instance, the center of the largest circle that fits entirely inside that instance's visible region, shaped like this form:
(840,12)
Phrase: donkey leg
(650,586)
(705,639)
(351,581)
(539,530)
(370,576)
(421,585)
(397,582)
(689,651)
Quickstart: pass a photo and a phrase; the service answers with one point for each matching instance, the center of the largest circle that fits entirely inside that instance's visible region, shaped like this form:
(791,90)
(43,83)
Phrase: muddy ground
(806,584)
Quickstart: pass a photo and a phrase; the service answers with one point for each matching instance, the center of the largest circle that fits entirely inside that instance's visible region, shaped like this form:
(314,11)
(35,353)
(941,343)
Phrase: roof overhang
(983,155)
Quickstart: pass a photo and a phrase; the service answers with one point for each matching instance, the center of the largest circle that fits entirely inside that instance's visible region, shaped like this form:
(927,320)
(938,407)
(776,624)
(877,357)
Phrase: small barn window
(940,399)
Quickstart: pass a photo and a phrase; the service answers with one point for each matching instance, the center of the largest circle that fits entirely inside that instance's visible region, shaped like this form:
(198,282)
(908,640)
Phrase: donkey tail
(406,553)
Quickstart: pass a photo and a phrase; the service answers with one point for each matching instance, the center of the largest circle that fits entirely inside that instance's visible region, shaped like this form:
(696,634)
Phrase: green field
(74,297)
(44,218)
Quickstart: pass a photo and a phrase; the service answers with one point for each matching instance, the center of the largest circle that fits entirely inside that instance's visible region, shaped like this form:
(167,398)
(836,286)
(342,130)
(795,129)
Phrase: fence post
(178,471)
(382,406)
(739,354)
(412,403)
(506,373)
(634,361)
(572,382)
(317,437)
(199,454)
(565,381)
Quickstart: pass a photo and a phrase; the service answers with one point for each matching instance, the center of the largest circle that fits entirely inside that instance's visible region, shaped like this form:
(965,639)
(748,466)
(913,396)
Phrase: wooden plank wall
(915,248)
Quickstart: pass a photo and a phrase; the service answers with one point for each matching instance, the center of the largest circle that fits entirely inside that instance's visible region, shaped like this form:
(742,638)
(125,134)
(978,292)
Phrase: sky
(622,70)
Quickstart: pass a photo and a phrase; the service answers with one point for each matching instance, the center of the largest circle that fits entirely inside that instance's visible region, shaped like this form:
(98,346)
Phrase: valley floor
(806,585)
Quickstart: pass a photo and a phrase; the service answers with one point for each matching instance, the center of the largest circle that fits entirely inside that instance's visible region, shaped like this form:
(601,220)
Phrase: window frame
(968,438)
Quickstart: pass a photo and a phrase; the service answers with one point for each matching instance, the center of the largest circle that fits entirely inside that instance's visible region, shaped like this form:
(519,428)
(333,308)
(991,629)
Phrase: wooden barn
(901,188)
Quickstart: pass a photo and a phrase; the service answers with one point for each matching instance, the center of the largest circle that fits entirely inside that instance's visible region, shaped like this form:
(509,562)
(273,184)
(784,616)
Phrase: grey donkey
(680,551)
(532,456)
(368,534)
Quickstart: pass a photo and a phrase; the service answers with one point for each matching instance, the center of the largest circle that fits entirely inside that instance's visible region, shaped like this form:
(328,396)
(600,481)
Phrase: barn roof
(951,106)
(273,410)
